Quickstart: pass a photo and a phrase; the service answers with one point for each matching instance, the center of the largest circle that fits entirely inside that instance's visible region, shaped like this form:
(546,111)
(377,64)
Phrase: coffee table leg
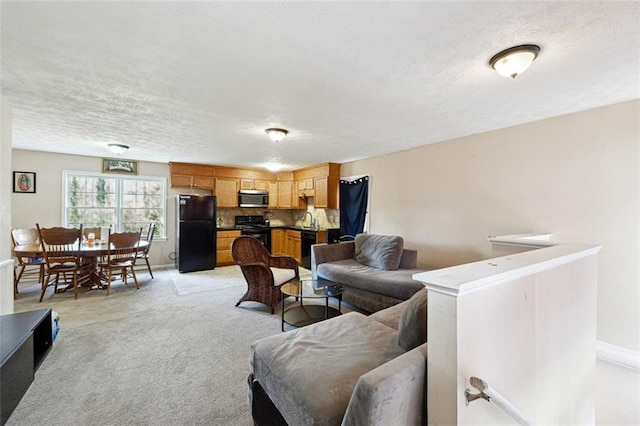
(282,313)
(326,308)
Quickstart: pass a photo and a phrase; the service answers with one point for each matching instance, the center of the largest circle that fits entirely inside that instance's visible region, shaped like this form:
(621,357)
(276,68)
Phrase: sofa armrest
(323,253)
(409,259)
(393,393)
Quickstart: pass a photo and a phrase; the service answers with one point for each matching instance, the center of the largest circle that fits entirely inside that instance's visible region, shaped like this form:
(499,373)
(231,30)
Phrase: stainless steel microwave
(253,198)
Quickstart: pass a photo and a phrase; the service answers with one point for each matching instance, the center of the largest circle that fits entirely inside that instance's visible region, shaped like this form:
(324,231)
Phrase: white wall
(575,176)
(28,208)
(6,186)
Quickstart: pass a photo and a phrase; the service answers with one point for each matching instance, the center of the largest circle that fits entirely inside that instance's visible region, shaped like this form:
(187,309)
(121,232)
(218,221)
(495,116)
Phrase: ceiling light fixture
(515,60)
(118,148)
(276,134)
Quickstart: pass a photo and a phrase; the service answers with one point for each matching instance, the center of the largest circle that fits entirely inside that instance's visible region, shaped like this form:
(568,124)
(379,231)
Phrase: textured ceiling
(200,81)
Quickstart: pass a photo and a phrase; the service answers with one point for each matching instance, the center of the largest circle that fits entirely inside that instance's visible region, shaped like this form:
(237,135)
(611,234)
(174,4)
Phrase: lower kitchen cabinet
(278,242)
(294,245)
(224,240)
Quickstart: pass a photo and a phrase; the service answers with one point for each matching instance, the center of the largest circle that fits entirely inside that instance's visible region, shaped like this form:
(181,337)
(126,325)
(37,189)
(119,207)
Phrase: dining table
(92,252)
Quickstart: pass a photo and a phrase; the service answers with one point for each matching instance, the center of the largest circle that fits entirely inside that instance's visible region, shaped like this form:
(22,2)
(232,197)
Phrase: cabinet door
(322,193)
(285,195)
(180,180)
(278,242)
(227,192)
(246,184)
(294,245)
(223,247)
(261,185)
(203,182)
(273,195)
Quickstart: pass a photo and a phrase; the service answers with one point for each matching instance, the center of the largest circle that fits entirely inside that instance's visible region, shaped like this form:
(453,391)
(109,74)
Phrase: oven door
(262,235)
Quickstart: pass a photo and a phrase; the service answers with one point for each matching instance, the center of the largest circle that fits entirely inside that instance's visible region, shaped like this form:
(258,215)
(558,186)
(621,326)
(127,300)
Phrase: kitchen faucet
(310,217)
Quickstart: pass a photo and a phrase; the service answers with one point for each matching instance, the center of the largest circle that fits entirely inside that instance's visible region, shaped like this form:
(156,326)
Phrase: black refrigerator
(195,233)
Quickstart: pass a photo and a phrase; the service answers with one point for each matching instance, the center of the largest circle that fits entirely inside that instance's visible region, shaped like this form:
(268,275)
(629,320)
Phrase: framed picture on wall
(24,182)
(114,165)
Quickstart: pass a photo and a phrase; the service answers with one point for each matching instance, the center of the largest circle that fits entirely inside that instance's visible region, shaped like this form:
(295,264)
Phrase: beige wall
(575,176)
(45,207)
(6,182)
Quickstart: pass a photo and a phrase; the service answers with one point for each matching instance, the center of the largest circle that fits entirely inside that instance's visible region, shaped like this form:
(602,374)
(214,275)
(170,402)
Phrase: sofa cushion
(412,330)
(310,373)
(379,251)
(390,316)
(398,284)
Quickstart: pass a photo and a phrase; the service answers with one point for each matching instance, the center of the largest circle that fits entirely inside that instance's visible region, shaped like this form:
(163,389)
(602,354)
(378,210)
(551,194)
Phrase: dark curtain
(353,205)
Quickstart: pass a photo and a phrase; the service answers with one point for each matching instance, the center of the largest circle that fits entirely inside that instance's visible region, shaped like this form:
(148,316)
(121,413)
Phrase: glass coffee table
(302,315)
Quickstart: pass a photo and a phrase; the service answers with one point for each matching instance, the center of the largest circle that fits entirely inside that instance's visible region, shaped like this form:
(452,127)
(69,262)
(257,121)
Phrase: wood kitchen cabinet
(273,195)
(192,175)
(322,192)
(285,195)
(224,240)
(294,245)
(254,184)
(226,192)
(278,242)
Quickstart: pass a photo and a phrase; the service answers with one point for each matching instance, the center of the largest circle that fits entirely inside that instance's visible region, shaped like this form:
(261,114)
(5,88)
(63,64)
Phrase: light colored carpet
(217,279)
(153,356)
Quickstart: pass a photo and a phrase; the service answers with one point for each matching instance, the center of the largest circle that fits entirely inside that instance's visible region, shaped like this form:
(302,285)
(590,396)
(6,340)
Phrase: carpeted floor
(168,353)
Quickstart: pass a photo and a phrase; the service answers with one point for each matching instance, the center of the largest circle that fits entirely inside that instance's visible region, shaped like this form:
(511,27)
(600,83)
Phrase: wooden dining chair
(144,254)
(121,258)
(27,266)
(62,256)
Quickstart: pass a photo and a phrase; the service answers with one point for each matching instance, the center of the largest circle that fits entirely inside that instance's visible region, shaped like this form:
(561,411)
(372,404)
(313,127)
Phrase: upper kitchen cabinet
(255,184)
(321,182)
(226,192)
(188,175)
(285,195)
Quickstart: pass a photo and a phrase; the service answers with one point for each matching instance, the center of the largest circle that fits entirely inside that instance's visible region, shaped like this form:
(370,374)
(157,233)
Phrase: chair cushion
(281,275)
(379,251)
(412,330)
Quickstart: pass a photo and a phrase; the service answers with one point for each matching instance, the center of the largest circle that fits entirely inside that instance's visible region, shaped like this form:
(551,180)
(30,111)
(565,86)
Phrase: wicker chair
(263,272)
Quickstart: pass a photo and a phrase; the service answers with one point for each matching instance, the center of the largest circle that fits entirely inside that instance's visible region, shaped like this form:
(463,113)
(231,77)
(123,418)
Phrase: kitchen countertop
(292,227)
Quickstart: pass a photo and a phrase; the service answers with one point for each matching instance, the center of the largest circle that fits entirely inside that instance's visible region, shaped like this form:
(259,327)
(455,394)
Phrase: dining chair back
(62,255)
(28,266)
(144,254)
(121,257)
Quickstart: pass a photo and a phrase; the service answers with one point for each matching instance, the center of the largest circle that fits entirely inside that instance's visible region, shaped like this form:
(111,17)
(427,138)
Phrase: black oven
(256,227)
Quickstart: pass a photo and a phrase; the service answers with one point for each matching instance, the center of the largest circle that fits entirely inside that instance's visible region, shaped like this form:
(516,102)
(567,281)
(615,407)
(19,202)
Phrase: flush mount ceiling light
(276,134)
(515,60)
(118,148)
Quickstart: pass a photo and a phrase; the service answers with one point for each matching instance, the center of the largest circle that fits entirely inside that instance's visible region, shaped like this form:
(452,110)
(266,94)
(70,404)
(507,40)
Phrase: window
(122,202)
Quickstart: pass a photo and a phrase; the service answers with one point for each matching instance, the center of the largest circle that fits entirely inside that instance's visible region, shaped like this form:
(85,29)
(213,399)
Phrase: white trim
(618,355)
(5,263)
(457,280)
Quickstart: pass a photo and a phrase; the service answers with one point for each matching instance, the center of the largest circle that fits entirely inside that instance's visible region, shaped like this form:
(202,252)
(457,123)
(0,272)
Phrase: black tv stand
(25,340)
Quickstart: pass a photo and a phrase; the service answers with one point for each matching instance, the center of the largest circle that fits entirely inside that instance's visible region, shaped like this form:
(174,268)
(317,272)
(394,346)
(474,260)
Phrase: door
(354,199)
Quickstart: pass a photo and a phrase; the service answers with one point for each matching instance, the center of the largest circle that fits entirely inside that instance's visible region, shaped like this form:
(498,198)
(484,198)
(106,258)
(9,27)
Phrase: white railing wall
(525,323)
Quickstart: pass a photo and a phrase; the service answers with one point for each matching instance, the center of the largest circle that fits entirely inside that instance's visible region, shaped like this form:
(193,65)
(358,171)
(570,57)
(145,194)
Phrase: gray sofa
(349,370)
(375,271)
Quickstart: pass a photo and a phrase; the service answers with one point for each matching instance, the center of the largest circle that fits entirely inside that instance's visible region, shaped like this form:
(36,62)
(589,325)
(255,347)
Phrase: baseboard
(618,355)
